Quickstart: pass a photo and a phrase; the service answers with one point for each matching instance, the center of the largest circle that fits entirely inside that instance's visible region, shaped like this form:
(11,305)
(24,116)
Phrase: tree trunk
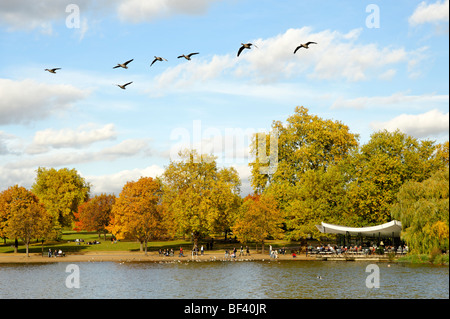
(195,237)
(27,243)
(262,245)
(141,246)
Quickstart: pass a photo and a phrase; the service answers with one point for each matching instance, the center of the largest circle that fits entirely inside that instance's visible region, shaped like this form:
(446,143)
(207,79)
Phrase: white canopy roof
(391,229)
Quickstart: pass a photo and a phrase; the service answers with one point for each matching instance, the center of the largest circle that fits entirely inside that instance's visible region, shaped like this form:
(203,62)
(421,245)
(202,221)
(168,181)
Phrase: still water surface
(224,280)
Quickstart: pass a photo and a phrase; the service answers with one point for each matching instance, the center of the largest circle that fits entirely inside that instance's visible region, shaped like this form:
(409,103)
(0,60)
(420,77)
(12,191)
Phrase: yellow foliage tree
(200,198)
(61,191)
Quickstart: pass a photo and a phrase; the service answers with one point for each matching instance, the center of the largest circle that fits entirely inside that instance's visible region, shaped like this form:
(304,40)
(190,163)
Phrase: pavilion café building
(385,234)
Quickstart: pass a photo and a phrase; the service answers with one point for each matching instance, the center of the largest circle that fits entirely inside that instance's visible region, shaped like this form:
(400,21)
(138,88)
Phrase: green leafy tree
(307,183)
(305,142)
(423,209)
(381,167)
(321,196)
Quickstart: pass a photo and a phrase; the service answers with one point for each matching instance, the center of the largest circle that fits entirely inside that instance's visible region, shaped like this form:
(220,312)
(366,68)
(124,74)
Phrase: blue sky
(377,65)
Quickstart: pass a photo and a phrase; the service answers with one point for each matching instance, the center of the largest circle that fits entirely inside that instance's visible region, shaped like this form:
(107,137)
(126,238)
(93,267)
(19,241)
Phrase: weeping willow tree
(423,209)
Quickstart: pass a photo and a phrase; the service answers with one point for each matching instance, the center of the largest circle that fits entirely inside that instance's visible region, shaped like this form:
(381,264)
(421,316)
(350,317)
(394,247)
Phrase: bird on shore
(52,70)
(123,87)
(304,45)
(245,46)
(157,58)
(123,65)
(187,57)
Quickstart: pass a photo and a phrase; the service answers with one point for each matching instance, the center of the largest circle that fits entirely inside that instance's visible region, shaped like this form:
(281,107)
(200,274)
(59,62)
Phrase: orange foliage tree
(95,214)
(23,216)
(137,212)
(259,217)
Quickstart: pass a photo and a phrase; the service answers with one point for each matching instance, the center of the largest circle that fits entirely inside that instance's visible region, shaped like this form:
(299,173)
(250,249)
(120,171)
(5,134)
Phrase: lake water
(224,280)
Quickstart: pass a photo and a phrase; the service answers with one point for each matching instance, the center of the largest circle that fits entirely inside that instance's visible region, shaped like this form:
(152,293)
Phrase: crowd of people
(355,249)
(233,253)
(56,253)
(273,253)
(94,242)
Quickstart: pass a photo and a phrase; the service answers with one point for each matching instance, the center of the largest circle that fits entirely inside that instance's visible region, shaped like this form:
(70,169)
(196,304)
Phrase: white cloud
(69,138)
(244,172)
(40,101)
(42,14)
(430,13)
(399,99)
(230,146)
(8,144)
(143,10)
(114,183)
(274,61)
(125,149)
(321,61)
(21,176)
(432,123)
(39,14)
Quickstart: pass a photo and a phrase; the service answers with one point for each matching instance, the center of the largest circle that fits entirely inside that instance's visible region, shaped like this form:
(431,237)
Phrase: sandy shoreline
(125,256)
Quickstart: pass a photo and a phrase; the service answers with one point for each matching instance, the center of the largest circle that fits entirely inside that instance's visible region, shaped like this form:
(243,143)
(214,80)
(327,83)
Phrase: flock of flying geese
(187,57)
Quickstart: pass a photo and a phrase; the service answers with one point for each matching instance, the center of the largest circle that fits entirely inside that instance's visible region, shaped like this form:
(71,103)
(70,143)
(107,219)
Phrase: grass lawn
(68,244)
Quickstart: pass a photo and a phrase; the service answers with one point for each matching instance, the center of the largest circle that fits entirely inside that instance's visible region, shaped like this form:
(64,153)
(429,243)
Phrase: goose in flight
(245,46)
(187,57)
(157,58)
(123,87)
(52,70)
(304,45)
(122,65)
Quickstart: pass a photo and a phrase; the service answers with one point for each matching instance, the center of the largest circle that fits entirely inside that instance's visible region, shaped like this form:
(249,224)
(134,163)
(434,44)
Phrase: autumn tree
(26,217)
(137,212)
(321,196)
(423,209)
(259,217)
(305,142)
(200,197)
(61,191)
(308,181)
(226,198)
(442,153)
(95,214)
(381,167)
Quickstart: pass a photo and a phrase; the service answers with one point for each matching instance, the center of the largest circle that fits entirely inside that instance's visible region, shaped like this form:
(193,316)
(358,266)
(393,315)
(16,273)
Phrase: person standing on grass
(248,251)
